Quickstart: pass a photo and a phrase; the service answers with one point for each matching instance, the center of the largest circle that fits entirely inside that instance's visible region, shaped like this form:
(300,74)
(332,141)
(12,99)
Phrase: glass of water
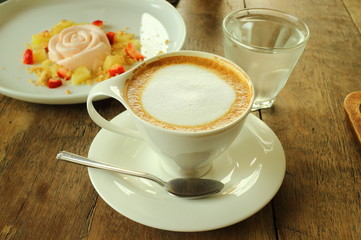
(266,44)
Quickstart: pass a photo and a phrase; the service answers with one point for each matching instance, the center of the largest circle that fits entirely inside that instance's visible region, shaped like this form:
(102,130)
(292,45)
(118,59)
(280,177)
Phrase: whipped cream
(82,45)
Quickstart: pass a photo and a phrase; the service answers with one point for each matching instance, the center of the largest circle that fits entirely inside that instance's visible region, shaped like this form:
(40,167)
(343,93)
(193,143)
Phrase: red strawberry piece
(54,83)
(63,73)
(28,56)
(98,23)
(116,69)
(133,52)
(111,37)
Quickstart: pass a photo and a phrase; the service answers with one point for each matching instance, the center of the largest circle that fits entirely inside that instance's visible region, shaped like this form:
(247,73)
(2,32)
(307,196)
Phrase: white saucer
(252,170)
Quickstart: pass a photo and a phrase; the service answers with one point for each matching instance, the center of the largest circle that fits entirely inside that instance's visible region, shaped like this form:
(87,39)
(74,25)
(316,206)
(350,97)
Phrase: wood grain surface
(320,197)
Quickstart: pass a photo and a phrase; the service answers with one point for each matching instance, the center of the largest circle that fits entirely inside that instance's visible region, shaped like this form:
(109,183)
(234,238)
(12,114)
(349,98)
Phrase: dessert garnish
(80,53)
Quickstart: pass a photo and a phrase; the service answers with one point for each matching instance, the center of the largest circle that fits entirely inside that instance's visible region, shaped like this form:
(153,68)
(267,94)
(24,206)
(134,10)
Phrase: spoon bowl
(180,187)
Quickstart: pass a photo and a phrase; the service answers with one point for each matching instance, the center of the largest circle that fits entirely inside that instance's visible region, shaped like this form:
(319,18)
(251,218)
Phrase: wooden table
(320,197)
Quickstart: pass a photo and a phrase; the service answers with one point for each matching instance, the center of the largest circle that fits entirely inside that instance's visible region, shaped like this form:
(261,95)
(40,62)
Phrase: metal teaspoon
(180,187)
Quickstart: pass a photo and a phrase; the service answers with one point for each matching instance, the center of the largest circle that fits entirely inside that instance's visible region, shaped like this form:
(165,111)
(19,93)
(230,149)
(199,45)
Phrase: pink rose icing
(83,45)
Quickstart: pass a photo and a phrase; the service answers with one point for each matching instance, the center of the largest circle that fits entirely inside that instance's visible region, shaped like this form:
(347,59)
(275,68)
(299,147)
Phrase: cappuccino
(188,93)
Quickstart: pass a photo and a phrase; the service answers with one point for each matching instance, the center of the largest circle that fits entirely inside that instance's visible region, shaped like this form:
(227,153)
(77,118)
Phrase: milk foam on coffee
(194,96)
(188,93)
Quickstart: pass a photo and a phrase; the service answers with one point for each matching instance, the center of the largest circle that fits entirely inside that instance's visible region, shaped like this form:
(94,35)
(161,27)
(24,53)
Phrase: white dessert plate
(156,22)
(252,170)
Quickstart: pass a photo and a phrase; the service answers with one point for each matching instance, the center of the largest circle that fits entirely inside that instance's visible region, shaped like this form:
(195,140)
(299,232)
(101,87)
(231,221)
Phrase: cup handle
(108,88)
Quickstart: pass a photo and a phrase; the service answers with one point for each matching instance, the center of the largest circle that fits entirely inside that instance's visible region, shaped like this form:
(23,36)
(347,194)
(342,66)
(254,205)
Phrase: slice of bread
(352,105)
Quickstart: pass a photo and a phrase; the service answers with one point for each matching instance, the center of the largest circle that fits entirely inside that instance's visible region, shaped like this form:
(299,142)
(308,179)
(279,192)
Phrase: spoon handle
(74,158)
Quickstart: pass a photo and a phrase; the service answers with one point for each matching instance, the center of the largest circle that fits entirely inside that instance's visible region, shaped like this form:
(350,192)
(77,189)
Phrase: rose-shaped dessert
(82,45)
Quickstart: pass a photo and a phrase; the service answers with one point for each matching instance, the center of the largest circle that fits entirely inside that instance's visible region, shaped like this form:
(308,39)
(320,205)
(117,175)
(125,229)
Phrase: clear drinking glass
(266,44)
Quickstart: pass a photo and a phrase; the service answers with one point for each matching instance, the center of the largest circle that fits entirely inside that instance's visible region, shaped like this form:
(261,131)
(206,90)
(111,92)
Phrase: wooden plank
(353,7)
(41,198)
(320,197)
(203,20)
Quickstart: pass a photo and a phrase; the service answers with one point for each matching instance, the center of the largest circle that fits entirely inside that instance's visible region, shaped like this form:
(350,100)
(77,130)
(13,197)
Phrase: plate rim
(73,98)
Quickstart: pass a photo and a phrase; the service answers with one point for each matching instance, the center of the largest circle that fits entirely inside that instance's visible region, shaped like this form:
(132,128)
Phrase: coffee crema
(188,93)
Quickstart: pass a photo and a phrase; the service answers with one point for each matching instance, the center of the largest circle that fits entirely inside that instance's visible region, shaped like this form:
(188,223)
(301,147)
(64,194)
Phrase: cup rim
(199,54)
(267,11)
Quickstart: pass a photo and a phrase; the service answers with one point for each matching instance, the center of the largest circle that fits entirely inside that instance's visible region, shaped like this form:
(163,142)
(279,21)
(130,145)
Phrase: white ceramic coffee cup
(183,154)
